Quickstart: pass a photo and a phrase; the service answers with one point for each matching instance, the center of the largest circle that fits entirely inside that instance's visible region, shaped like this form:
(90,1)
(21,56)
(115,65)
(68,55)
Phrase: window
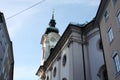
(110,35)
(64,79)
(102,73)
(118,17)
(47,78)
(54,72)
(114,1)
(106,16)
(116,61)
(64,60)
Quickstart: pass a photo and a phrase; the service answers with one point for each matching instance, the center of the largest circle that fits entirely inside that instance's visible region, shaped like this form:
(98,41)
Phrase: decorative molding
(58,57)
(51,68)
(92,34)
(77,40)
(43,76)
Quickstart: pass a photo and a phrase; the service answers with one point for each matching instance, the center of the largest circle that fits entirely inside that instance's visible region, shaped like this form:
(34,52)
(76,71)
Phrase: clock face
(53,39)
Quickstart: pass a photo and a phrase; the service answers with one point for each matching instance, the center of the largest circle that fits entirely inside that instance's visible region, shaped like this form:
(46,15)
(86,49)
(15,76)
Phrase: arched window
(47,78)
(64,79)
(54,72)
(102,73)
(64,60)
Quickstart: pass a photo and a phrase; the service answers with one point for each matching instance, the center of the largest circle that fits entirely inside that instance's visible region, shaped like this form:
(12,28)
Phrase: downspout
(83,53)
(103,50)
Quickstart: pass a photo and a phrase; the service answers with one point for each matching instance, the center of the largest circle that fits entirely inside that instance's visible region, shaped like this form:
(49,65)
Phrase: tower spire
(52,24)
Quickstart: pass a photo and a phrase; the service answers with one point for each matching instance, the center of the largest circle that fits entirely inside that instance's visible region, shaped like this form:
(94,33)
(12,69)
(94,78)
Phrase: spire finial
(53,14)
(52,22)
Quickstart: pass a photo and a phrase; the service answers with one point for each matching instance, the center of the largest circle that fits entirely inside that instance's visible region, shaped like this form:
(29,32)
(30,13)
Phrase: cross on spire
(53,14)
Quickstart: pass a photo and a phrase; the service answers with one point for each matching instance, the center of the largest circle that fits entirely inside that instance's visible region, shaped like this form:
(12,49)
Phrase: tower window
(54,72)
(116,61)
(64,60)
(51,50)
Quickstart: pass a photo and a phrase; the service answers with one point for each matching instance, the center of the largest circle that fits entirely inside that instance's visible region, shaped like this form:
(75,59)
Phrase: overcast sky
(26,29)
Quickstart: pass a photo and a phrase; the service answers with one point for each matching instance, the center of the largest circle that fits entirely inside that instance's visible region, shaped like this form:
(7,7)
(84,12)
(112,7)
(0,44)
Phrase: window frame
(110,35)
(118,18)
(116,61)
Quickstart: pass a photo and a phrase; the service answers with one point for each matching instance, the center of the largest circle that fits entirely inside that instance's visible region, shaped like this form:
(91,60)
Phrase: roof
(52,27)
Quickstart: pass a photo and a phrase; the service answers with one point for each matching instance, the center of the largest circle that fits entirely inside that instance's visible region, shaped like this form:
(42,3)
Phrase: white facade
(76,56)
(95,54)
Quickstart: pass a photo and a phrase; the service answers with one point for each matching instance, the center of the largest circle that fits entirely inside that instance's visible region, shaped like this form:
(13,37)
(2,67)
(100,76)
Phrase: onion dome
(52,27)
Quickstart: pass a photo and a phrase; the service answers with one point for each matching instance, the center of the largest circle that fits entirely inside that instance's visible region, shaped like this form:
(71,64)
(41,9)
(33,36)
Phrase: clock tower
(49,39)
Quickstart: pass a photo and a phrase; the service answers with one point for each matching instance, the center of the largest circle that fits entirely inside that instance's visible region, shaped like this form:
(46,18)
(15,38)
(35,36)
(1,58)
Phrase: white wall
(56,64)
(74,67)
(94,53)
(65,69)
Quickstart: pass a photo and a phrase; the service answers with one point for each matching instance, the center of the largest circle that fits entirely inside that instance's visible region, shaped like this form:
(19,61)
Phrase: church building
(85,51)
(76,55)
